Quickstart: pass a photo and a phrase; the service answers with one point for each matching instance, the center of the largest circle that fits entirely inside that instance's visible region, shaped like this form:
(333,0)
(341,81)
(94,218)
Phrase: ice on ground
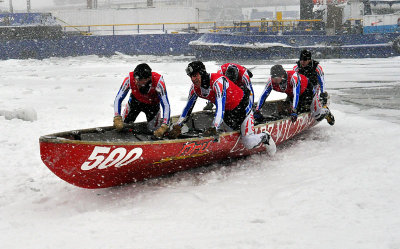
(329,187)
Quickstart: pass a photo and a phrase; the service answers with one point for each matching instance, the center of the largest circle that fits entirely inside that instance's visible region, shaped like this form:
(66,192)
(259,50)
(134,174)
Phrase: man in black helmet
(231,107)
(148,91)
(239,75)
(300,93)
(313,71)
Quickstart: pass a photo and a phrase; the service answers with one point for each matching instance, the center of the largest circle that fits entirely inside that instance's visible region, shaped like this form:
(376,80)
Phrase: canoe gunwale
(70,137)
(58,137)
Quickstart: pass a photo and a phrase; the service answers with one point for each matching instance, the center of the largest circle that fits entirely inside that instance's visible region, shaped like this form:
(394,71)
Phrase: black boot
(330,118)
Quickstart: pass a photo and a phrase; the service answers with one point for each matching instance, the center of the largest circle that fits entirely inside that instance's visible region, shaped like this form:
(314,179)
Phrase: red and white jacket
(157,94)
(296,84)
(222,92)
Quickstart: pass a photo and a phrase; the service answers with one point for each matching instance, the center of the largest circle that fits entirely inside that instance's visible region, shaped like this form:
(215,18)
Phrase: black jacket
(310,71)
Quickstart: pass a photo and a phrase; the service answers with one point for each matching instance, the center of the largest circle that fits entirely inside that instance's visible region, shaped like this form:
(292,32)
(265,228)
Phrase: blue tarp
(382,29)
(27,19)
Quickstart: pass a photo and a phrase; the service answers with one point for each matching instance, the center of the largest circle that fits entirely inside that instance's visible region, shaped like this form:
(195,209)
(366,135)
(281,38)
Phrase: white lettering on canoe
(103,157)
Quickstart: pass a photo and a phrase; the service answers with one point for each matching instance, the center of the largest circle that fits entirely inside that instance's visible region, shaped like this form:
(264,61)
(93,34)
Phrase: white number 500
(117,158)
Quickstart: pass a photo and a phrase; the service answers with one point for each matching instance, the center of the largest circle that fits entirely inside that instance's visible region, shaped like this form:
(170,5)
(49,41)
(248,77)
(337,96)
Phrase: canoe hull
(97,164)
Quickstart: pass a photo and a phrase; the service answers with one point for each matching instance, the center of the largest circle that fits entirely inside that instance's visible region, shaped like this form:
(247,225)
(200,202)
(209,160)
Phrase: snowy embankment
(26,114)
(330,187)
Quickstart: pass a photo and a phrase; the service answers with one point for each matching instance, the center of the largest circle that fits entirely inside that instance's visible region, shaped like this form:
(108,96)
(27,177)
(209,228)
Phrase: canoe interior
(138,132)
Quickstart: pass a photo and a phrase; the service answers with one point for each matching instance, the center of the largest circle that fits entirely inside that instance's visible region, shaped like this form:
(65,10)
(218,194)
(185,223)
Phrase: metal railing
(197,27)
(140,28)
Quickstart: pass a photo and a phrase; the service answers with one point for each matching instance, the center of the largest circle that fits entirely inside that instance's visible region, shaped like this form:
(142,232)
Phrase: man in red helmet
(300,93)
(231,107)
(148,91)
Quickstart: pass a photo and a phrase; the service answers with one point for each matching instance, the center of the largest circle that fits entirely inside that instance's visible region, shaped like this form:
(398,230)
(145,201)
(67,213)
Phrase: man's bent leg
(317,110)
(130,113)
(153,115)
(249,139)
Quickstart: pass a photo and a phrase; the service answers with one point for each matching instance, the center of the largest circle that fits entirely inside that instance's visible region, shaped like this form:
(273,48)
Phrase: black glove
(258,116)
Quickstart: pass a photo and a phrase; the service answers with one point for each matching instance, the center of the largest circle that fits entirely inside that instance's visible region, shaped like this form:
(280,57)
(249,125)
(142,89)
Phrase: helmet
(142,71)
(278,71)
(196,67)
(232,73)
(305,55)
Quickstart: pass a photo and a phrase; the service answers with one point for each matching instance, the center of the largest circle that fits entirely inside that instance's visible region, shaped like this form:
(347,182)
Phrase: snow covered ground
(330,187)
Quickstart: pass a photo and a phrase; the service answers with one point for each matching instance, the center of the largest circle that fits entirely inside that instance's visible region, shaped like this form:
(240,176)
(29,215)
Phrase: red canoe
(102,157)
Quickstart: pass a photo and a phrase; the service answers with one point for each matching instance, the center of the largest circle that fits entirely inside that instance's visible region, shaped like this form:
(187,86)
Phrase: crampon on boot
(330,118)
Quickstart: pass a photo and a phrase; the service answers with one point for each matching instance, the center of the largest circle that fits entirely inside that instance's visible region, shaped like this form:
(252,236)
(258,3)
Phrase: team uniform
(231,107)
(243,81)
(145,100)
(313,71)
(299,91)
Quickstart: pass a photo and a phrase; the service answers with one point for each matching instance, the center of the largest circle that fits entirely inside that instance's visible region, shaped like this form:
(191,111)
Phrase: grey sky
(20,5)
